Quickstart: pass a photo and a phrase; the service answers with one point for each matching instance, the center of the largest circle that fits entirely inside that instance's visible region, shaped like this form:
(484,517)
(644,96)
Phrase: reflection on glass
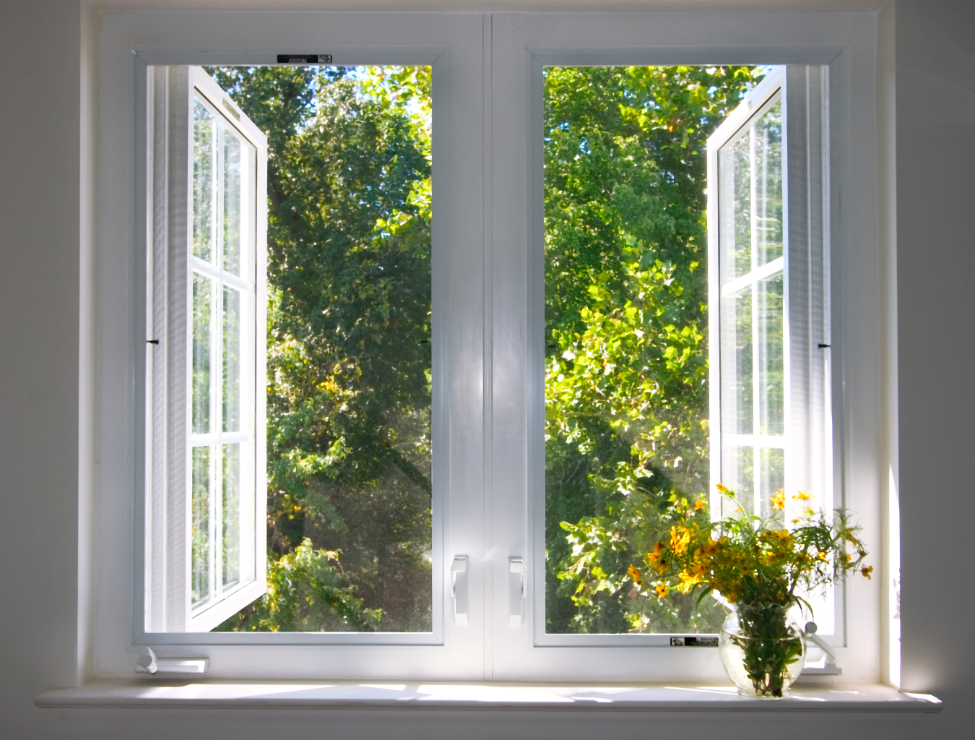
(770,345)
(769,189)
(232,360)
(202,342)
(204,160)
(200,526)
(231,514)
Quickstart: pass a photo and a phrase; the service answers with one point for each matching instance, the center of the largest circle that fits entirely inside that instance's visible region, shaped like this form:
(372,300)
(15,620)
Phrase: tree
(349,328)
(349,384)
(626,359)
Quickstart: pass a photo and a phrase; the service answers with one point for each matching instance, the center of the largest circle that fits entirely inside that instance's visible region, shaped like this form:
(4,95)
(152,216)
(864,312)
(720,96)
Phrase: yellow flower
(866,572)
(661,590)
(656,554)
(803,496)
(822,556)
(698,570)
(778,500)
(680,539)
(723,489)
(634,574)
(710,548)
(699,504)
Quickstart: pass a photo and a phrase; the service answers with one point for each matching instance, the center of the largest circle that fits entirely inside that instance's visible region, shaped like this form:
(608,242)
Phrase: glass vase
(762,650)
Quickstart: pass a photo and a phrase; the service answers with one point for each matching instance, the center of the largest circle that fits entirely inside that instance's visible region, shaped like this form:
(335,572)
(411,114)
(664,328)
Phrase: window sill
(862,698)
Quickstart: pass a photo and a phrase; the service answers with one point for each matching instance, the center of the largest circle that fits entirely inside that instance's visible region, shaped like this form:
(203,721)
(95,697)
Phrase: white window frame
(487,268)
(522,45)
(452,45)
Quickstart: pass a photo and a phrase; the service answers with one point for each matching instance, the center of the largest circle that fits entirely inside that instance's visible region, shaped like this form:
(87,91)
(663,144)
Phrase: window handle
(517,590)
(459,588)
(149,663)
(810,632)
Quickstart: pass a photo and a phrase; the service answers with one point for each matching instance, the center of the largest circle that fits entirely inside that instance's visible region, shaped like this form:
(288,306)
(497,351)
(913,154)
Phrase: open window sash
(206,499)
(770,380)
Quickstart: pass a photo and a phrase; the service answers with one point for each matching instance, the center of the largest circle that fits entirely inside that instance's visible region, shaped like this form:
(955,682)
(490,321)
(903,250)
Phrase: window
(205,554)
(487,330)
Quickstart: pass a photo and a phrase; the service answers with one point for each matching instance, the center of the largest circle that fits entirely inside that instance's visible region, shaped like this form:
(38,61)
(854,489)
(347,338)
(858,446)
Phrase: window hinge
(149,663)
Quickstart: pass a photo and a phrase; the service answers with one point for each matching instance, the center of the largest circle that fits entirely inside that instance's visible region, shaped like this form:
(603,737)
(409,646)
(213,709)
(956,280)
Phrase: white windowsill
(453,695)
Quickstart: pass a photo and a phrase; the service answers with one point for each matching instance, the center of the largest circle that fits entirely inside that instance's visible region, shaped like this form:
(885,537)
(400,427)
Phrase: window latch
(830,661)
(517,590)
(149,663)
(459,588)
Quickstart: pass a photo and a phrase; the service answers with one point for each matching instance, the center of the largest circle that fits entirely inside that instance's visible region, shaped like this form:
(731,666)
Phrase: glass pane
(770,345)
(200,536)
(203,339)
(771,481)
(736,359)
(626,357)
(205,129)
(738,475)
(735,216)
(769,188)
(349,517)
(231,514)
(233,192)
(232,360)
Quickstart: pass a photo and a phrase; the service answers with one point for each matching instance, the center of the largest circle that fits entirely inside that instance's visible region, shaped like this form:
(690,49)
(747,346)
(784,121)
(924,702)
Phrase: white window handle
(459,588)
(810,632)
(517,590)
(149,663)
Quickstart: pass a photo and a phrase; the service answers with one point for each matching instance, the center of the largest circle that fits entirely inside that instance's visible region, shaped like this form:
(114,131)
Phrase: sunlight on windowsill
(458,695)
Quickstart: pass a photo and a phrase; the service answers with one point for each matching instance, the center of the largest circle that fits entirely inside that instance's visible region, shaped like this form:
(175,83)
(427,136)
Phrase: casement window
(792,396)
(205,539)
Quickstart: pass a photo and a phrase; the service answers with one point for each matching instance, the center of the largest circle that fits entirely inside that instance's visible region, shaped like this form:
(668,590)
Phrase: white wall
(45,363)
(39,355)
(935,235)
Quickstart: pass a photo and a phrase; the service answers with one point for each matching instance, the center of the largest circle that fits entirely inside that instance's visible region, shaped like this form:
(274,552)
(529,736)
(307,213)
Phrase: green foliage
(349,361)
(626,359)
(349,337)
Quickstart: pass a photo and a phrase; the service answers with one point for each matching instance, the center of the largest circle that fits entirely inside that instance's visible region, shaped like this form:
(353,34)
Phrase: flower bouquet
(760,568)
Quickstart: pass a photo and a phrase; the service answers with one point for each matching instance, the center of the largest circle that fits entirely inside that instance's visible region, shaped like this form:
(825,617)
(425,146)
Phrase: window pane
(205,129)
(203,340)
(200,535)
(738,475)
(231,514)
(232,360)
(235,162)
(349,344)
(769,190)
(735,215)
(770,344)
(736,358)
(626,435)
(771,481)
